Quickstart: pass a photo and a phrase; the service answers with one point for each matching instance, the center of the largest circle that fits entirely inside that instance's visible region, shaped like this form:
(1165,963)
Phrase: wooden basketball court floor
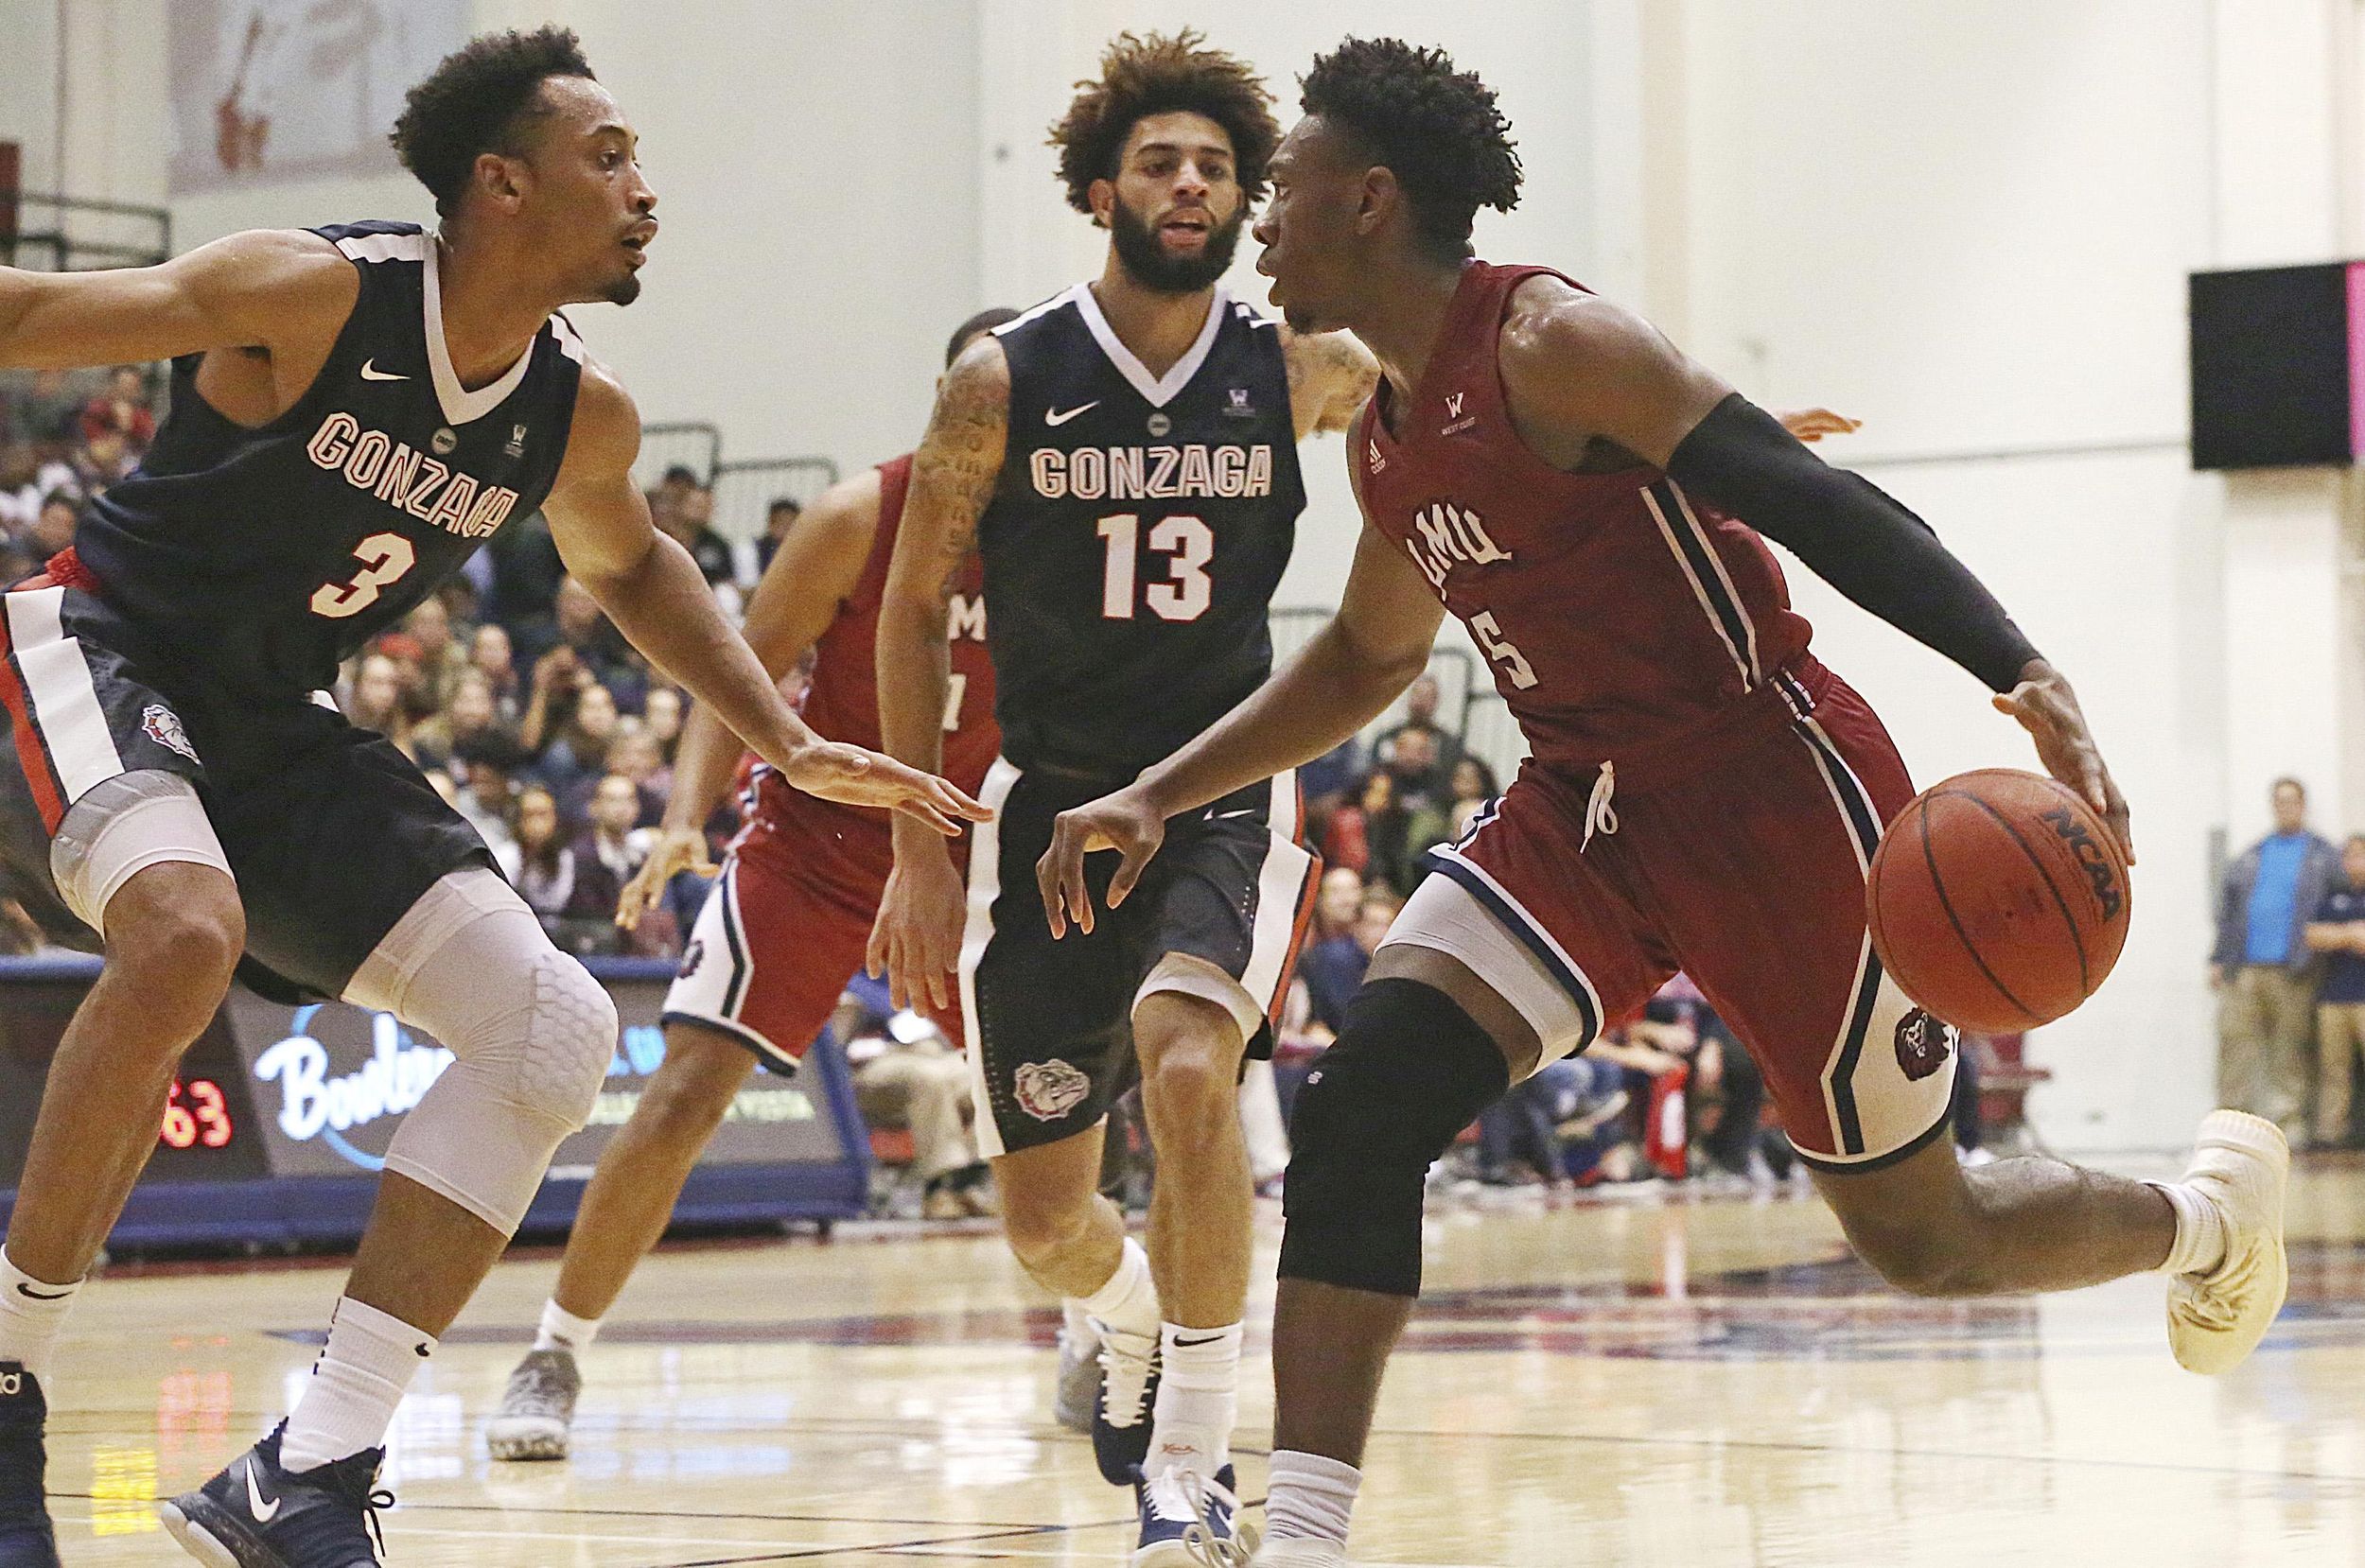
(1661,1380)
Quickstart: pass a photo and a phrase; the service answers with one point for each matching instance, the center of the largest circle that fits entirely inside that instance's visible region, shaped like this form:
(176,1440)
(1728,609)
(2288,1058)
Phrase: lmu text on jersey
(1152,473)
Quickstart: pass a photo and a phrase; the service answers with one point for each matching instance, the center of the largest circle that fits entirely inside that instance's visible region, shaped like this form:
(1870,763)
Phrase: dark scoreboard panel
(279,1121)
(2277,366)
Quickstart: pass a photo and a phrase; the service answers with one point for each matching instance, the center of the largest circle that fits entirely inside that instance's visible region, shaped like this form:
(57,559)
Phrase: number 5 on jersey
(1188,543)
(385,559)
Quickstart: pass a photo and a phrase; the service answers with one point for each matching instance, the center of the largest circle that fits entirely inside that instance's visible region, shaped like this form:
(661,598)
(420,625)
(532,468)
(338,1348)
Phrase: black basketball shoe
(1121,1414)
(26,1540)
(255,1514)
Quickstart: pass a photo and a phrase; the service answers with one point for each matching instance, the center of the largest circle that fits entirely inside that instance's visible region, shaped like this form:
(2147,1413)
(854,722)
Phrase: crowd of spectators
(2288,967)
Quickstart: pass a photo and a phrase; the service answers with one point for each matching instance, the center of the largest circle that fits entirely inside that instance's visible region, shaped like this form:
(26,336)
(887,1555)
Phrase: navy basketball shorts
(1739,857)
(1219,915)
(330,833)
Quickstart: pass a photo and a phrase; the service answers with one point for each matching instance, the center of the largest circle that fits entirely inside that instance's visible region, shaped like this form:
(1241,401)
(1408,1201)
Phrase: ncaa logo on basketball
(2091,858)
(163,728)
(1048,1091)
(1922,1044)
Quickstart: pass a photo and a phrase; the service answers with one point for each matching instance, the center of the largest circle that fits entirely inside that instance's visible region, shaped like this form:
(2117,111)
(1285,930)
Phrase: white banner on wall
(267,91)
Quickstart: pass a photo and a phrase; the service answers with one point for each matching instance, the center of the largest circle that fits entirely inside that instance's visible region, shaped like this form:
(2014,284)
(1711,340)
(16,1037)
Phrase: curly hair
(1161,74)
(478,100)
(1436,129)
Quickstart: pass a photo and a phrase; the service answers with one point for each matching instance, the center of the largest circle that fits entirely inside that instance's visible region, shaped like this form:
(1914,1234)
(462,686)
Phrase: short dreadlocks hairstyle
(1436,129)
(1159,75)
(479,99)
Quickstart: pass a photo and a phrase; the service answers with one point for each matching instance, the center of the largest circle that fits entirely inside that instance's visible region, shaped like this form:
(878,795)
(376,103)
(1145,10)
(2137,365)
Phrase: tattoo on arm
(960,459)
(1331,376)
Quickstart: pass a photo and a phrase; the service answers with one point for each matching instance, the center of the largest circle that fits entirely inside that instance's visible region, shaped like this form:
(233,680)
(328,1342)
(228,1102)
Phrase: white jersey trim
(1156,391)
(385,247)
(461,404)
(58,689)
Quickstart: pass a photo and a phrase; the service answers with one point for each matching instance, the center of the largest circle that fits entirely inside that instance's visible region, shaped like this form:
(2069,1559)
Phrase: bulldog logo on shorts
(163,728)
(1048,1091)
(1922,1044)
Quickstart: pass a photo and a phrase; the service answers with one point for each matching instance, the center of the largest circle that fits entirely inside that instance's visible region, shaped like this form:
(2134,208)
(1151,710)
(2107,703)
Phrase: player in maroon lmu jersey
(786,923)
(1702,792)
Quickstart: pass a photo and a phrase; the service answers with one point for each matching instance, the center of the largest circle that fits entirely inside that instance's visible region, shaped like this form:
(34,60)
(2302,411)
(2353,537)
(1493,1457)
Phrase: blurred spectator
(490,655)
(1335,904)
(2337,930)
(635,756)
(1472,786)
(665,500)
(691,521)
(122,411)
(374,701)
(614,836)
(575,895)
(1420,717)
(577,625)
(468,714)
(1333,968)
(20,489)
(661,710)
(907,1078)
(1371,835)
(2262,967)
(434,650)
(53,528)
(39,407)
(1414,761)
(580,727)
(1328,782)
(485,767)
(777,519)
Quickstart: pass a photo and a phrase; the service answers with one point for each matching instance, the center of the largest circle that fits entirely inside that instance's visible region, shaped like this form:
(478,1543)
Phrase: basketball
(1998,900)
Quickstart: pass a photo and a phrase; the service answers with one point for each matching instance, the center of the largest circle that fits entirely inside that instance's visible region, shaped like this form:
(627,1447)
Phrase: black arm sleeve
(1854,536)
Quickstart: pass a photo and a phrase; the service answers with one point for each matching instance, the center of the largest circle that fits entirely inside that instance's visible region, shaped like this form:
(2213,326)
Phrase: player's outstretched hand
(2048,710)
(916,940)
(837,772)
(676,849)
(1123,822)
(1812,425)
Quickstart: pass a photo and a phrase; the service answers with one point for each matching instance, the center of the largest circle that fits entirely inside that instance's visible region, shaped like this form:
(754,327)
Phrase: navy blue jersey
(265,556)
(1137,534)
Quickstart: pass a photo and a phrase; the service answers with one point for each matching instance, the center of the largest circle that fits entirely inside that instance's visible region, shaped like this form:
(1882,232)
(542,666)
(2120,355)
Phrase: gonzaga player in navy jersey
(354,410)
(1123,458)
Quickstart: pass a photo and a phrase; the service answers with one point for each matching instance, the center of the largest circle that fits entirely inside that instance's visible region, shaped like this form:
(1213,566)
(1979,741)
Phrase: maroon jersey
(850,845)
(1616,611)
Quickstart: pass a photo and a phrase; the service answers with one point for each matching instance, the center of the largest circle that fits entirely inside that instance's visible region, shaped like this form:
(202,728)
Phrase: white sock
(1074,1322)
(1199,1398)
(32,1313)
(1128,1302)
(1309,1497)
(360,1378)
(562,1330)
(2200,1245)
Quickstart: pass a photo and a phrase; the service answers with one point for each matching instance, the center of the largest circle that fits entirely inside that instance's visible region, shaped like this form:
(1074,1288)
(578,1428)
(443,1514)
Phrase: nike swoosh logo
(1226,817)
(264,1512)
(24,1289)
(1059,416)
(371,373)
(1180,1341)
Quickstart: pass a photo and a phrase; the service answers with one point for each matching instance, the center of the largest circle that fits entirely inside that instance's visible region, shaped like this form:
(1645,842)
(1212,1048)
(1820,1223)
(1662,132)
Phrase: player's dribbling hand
(676,849)
(2048,710)
(857,777)
(916,940)
(1123,822)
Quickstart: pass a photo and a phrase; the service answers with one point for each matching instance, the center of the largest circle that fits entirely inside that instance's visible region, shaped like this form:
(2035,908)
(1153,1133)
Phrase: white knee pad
(532,1031)
(120,828)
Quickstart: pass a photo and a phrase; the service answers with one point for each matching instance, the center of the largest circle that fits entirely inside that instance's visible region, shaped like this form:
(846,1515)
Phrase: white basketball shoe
(2242,1165)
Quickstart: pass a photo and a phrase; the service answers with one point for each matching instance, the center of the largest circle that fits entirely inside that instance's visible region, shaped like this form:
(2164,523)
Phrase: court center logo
(1922,1044)
(1048,1091)
(163,728)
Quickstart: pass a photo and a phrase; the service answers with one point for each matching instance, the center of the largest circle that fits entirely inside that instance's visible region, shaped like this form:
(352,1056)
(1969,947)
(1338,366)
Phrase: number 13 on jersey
(1188,543)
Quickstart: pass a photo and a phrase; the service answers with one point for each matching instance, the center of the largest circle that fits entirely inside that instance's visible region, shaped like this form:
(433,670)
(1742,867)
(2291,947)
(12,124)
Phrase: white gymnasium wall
(813,168)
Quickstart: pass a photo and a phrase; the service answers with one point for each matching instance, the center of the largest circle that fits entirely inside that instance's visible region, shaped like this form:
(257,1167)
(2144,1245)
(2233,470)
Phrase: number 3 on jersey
(385,559)
(1188,543)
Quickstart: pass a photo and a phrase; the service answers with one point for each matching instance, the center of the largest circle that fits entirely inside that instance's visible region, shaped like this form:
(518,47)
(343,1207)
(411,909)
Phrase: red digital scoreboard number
(197,1116)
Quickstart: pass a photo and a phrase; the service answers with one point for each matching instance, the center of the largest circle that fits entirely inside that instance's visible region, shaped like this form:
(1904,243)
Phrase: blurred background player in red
(782,928)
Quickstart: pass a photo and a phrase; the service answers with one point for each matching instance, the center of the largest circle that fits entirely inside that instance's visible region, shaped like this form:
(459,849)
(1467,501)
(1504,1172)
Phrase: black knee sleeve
(1410,1071)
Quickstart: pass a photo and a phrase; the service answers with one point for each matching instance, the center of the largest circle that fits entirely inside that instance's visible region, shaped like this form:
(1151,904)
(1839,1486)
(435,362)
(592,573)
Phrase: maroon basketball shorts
(771,952)
(1738,856)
